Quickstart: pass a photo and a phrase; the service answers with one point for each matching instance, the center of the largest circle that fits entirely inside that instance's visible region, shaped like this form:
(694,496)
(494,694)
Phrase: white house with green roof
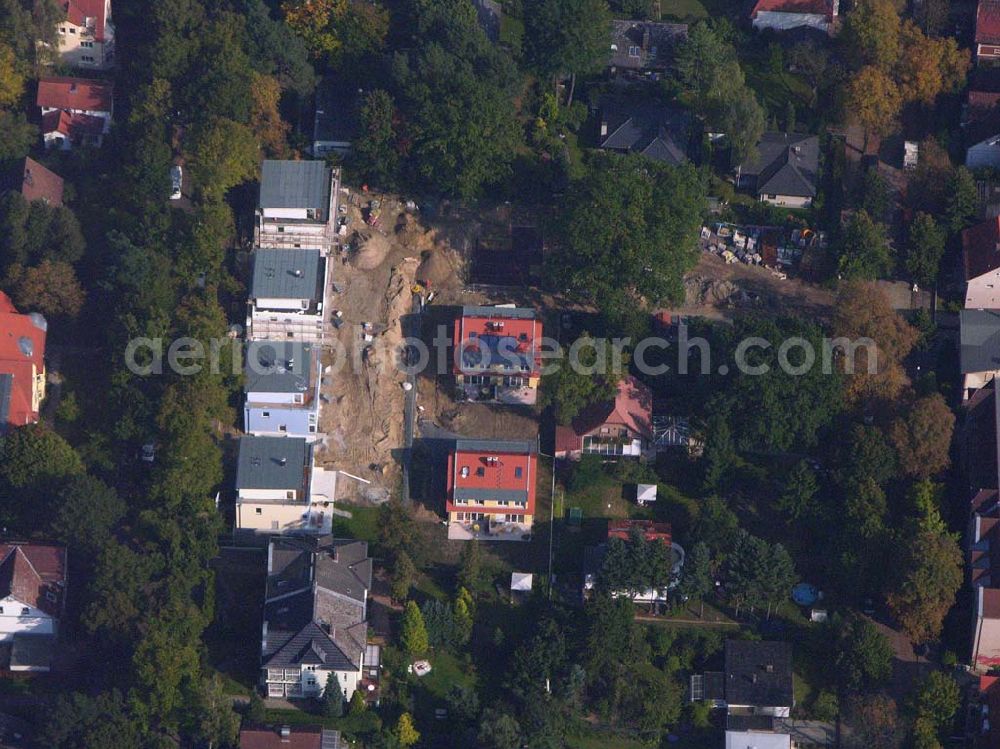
(286,295)
(296,206)
(278,490)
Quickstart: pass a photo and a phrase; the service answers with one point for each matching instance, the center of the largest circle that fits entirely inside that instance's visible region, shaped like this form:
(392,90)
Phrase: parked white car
(176,181)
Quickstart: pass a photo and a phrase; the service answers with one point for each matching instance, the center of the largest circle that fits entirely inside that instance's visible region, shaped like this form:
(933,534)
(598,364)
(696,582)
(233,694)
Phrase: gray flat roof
(272,463)
(511,313)
(295,184)
(979,340)
(277,367)
(520,447)
(286,274)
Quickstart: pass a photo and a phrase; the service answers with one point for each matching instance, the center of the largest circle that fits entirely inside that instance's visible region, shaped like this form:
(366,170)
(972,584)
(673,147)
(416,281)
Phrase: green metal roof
(286,274)
(277,367)
(295,184)
(272,463)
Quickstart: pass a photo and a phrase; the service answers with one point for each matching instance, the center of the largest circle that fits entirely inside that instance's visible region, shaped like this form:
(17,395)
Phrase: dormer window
(633,51)
(25,611)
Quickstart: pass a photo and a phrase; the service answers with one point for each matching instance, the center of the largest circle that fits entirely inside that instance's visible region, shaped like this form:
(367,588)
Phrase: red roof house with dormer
(22,365)
(491,489)
(497,354)
(615,428)
(988,30)
(75,111)
(33,581)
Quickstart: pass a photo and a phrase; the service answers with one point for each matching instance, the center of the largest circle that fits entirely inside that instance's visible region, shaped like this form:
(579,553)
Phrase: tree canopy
(628,233)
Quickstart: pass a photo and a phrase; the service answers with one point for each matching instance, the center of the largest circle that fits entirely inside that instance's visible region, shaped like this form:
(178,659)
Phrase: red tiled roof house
(497,354)
(86,35)
(785,15)
(289,737)
(622,427)
(34,182)
(32,599)
(75,111)
(988,30)
(22,365)
(491,489)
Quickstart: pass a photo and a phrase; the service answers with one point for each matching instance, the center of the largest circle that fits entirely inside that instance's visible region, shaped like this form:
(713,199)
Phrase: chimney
(604,128)
(282,461)
(297,273)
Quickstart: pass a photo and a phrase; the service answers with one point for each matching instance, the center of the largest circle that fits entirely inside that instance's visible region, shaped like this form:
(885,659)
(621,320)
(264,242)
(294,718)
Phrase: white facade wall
(14,622)
(79,48)
(274,495)
(983,292)
(787,201)
(289,213)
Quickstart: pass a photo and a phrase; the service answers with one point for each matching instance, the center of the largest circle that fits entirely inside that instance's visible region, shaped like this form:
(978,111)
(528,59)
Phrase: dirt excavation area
(724,290)
(383,251)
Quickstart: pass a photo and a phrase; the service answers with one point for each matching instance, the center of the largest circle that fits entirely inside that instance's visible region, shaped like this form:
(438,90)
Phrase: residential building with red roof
(22,365)
(86,35)
(622,427)
(988,30)
(491,489)
(785,15)
(34,182)
(981,263)
(33,581)
(75,111)
(497,354)
(289,737)
(983,725)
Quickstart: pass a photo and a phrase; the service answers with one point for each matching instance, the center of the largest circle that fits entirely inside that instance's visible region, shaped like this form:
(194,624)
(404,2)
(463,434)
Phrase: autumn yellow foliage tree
(928,67)
(11,77)
(875,100)
(863,312)
(335,28)
(265,119)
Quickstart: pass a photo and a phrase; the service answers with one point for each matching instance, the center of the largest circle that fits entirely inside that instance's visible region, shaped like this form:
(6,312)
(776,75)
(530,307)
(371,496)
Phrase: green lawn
(363,523)
(687,11)
(446,671)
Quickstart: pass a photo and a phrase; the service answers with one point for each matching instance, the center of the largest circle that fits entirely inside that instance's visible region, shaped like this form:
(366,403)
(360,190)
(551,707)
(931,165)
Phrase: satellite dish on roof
(38,320)
(26,346)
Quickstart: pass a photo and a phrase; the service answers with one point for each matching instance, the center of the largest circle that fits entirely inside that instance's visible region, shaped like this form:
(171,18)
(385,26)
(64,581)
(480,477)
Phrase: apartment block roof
(490,337)
(272,462)
(286,274)
(295,184)
(278,367)
(481,470)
